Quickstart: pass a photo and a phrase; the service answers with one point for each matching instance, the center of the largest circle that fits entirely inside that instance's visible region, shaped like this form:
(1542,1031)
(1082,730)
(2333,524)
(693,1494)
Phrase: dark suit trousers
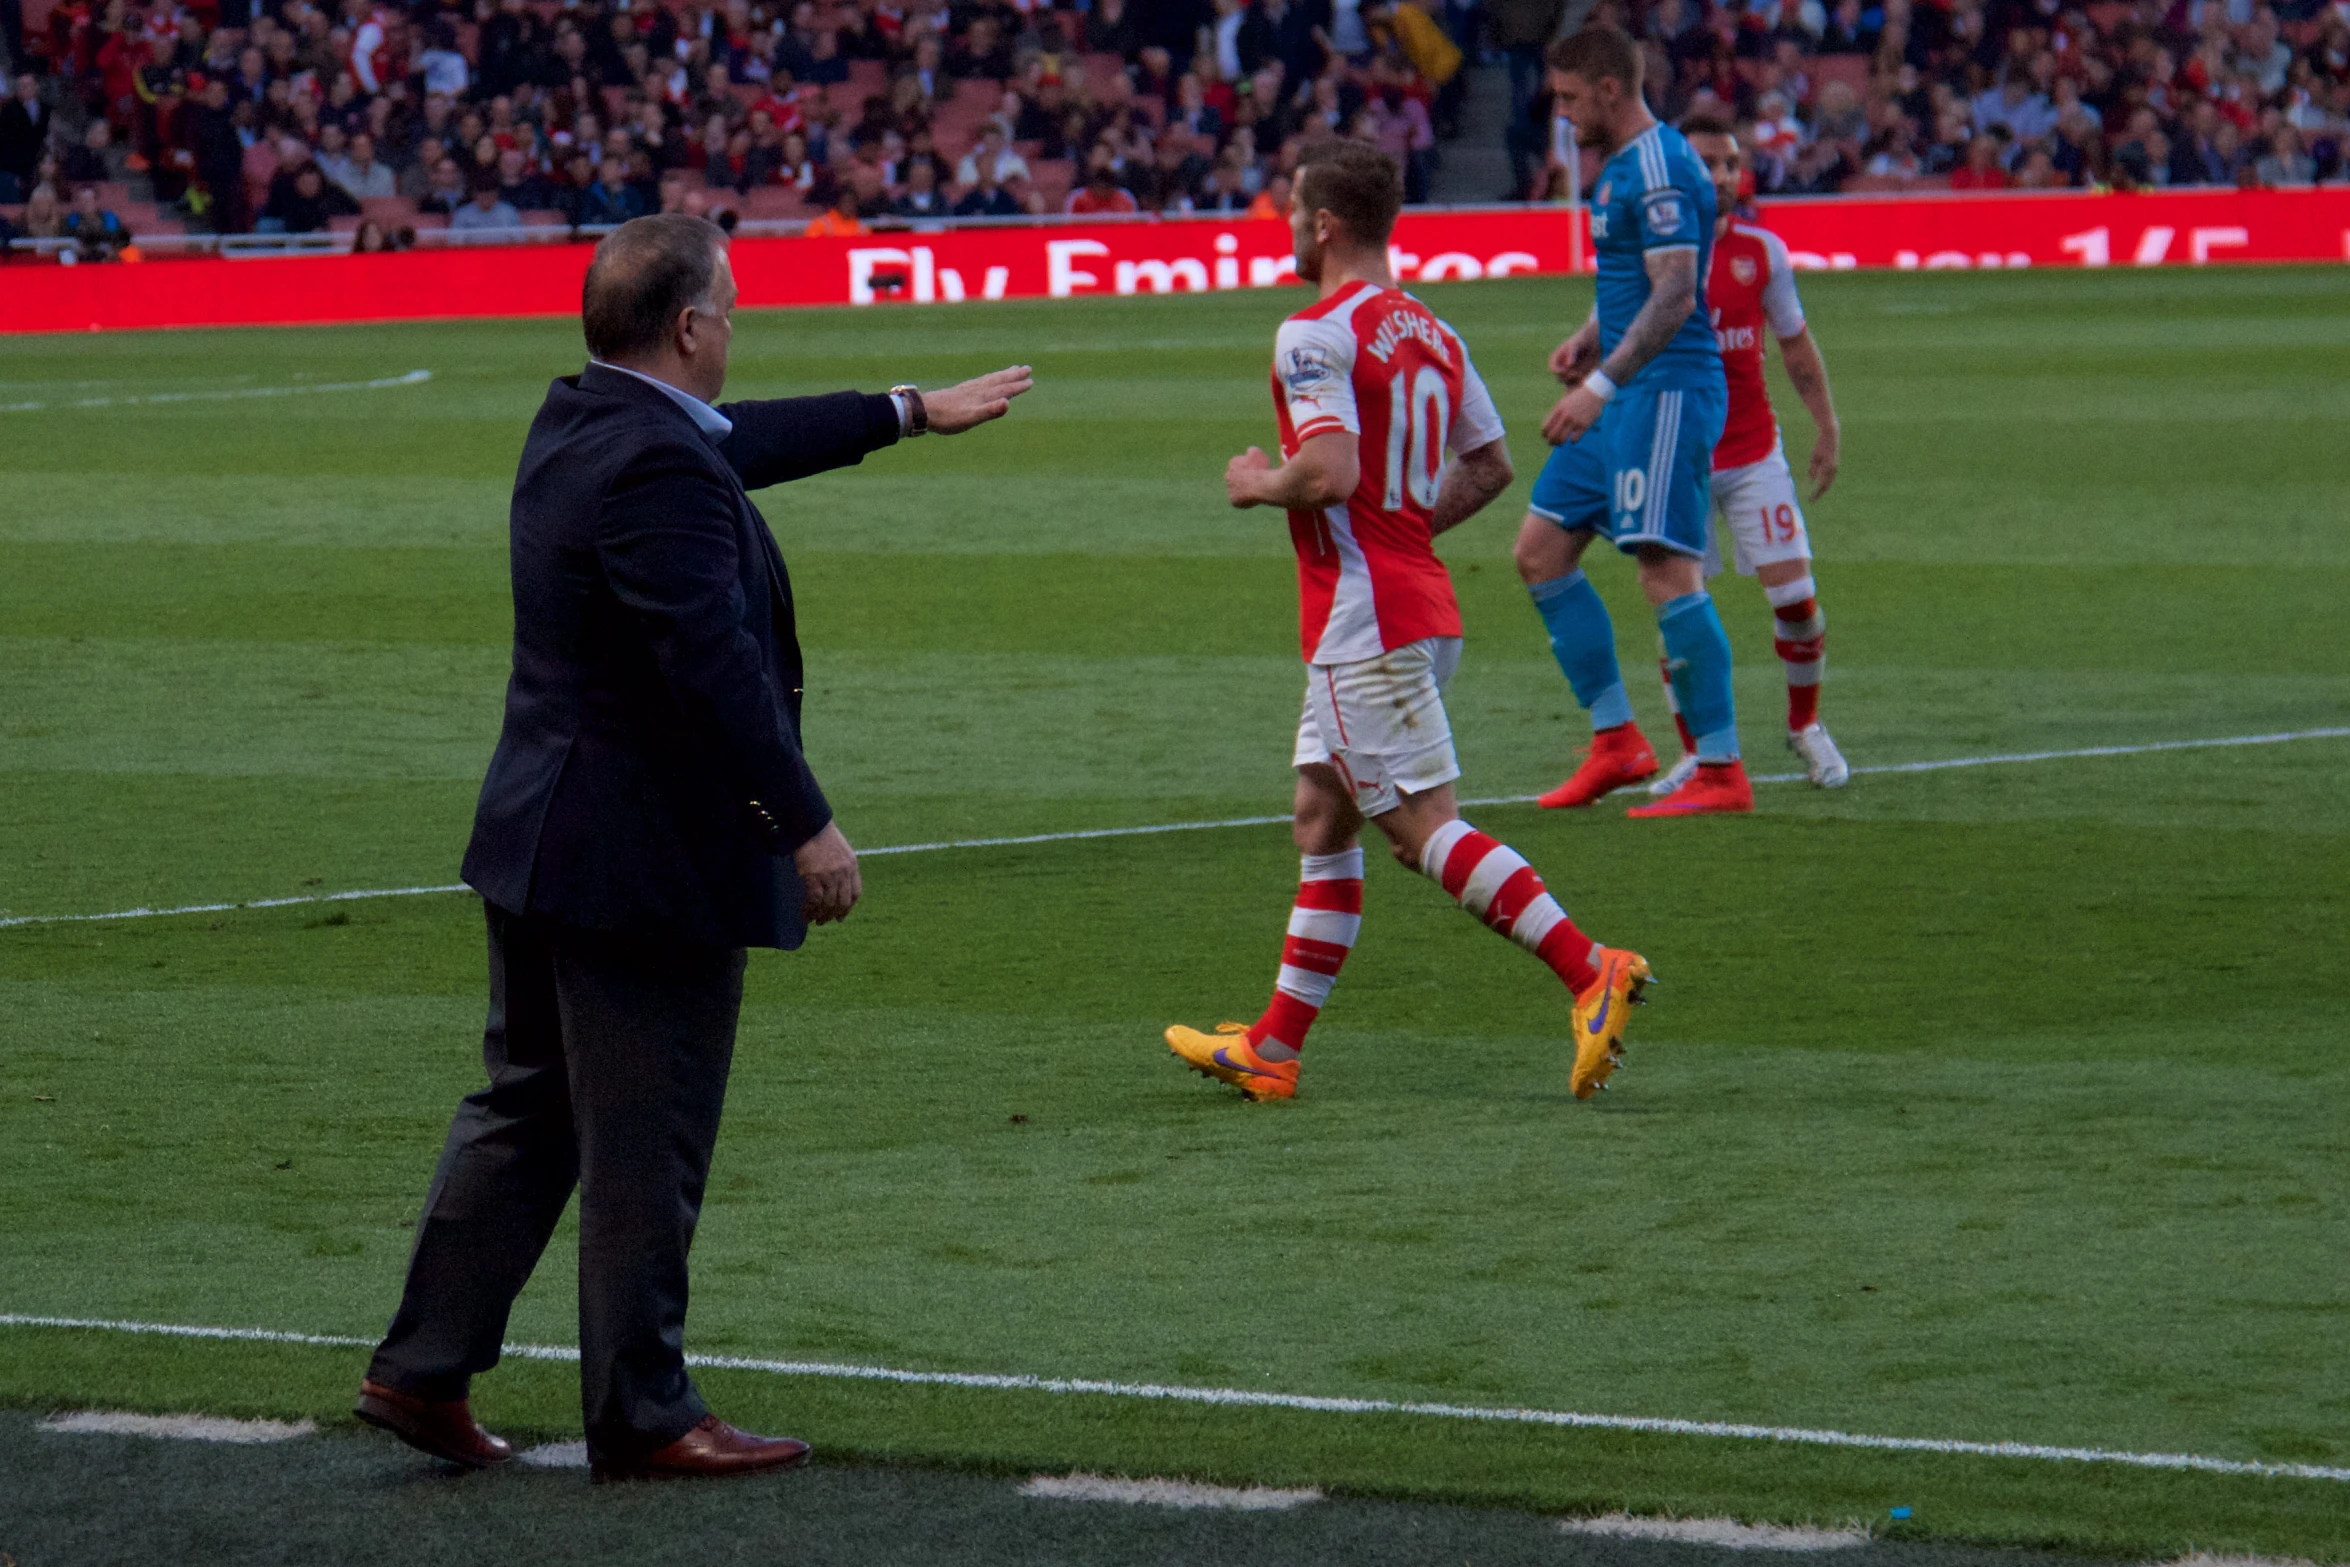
(607,1059)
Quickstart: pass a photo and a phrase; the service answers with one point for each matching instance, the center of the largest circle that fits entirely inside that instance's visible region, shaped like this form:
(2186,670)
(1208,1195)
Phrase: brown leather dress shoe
(445,1430)
(709,1450)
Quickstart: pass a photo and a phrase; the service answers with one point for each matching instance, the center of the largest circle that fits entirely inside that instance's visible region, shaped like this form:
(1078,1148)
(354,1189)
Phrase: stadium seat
(390,211)
(544,218)
(769,203)
(1052,178)
(1864,184)
(977,96)
(1850,69)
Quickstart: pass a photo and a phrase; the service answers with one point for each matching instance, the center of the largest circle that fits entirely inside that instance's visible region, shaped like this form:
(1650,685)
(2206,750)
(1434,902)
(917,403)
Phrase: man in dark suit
(648,814)
(25,126)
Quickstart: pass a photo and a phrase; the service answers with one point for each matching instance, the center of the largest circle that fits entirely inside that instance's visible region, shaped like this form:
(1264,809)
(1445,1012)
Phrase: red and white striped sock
(1664,667)
(1322,929)
(1800,633)
(1493,881)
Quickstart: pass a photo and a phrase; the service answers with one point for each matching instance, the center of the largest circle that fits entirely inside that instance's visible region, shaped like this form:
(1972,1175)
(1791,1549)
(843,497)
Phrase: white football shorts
(1381,722)
(1756,505)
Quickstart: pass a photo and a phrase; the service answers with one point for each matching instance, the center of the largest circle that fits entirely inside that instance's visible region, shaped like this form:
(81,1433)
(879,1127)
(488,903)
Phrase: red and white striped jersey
(1752,284)
(1375,363)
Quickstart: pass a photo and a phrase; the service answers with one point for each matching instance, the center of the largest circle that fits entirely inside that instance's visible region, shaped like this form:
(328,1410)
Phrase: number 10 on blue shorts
(1644,473)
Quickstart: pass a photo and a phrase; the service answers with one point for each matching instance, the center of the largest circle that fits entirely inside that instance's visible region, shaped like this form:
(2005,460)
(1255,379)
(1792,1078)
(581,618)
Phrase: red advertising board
(1179,255)
(2061,229)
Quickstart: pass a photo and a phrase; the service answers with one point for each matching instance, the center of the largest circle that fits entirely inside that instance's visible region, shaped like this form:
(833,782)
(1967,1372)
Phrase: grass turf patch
(1972,1105)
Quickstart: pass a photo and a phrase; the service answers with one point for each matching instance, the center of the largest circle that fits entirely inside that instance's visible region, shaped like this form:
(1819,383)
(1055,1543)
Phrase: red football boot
(1715,786)
(1617,757)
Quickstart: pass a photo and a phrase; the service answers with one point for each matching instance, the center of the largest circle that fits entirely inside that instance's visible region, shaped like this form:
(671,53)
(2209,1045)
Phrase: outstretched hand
(954,409)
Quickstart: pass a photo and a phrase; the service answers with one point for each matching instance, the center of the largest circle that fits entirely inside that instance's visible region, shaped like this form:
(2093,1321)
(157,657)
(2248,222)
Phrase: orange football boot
(1617,757)
(1715,786)
(1601,1012)
(1228,1057)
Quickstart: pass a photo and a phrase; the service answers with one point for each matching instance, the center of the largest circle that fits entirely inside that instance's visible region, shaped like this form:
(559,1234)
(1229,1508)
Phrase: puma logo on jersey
(1409,324)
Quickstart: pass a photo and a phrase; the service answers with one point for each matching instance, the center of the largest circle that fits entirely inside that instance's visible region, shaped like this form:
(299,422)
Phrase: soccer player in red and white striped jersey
(1751,288)
(1388,437)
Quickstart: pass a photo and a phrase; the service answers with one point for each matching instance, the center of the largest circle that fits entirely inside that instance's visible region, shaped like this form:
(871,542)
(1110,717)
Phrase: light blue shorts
(1643,474)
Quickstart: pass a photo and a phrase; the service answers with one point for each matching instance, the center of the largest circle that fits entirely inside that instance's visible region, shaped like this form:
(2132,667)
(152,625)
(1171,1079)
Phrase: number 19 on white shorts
(1757,505)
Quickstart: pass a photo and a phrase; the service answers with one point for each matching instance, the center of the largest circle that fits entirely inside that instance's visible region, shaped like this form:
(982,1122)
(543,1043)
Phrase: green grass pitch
(1999,1104)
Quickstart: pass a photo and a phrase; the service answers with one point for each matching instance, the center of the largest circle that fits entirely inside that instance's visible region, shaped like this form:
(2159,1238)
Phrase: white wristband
(1600,386)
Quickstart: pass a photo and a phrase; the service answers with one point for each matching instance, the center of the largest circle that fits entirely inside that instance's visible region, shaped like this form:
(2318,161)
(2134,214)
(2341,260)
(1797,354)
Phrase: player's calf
(1493,881)
(1799,634)
(1260,1058)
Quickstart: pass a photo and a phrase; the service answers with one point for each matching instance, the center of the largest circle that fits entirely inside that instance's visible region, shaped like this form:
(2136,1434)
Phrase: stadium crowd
(380,116)
(1835,95)
(299,115)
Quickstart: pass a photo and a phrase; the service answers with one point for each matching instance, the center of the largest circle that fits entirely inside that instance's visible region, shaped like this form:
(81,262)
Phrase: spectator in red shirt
(780,103)
(1101,192)
(1981,171)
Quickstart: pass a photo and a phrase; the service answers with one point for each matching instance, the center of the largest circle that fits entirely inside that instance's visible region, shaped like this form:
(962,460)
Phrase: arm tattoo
(1470,486)
(1809,374)
(1672,295)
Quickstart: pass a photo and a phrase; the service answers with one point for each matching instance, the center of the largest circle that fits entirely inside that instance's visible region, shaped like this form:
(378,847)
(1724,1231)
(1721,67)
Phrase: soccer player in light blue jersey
(1634,439)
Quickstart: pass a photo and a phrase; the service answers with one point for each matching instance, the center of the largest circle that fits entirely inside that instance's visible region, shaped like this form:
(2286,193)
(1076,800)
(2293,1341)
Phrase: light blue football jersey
(1655,195)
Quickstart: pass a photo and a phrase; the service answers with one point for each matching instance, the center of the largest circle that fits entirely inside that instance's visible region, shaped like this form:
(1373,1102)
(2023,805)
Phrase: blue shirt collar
(707,419)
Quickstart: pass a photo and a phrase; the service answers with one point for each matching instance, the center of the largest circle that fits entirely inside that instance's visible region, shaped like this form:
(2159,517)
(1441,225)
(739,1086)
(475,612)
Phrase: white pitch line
(1727,1533)
(1158,828)
(226,394)
(1088,833)
(1188,1495)
(555,1455)
(179,1428)
(1246,1398)
(223,908)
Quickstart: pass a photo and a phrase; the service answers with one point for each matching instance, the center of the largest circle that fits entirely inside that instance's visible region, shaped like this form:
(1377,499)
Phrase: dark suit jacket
(23,133)
(649,777)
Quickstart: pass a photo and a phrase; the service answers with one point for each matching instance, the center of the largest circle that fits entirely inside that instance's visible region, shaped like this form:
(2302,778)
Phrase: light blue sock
(1583,640)
(1697,653)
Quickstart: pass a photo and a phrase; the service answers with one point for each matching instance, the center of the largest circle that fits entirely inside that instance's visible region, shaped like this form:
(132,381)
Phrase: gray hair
(644,273)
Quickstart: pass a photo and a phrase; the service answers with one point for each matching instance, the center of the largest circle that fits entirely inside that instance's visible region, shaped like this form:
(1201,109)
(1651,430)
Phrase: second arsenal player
(1752,285)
